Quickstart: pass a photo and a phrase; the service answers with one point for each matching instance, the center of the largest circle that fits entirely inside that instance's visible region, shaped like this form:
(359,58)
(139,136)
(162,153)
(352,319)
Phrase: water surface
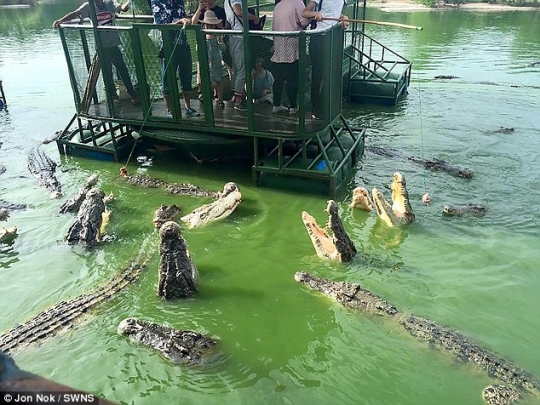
(279,342)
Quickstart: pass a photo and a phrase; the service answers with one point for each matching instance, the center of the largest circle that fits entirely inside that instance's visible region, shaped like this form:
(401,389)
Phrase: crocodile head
(361,199)
(400,212)
(179,346)
(165,213)
(8,235)
(335,246)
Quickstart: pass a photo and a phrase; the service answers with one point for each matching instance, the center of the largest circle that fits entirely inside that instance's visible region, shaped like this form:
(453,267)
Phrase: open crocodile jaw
(220,209)
(322,242)
(383,208)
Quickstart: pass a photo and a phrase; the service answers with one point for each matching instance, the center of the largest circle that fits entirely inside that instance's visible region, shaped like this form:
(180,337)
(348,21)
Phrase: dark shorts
(180,61)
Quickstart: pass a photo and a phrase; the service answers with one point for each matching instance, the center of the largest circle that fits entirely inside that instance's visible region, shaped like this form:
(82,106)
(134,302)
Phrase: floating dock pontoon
(281,147)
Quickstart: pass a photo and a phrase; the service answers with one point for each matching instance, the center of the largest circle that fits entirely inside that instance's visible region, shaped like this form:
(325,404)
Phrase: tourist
(263,80)
(173,12)
(211,22)
(219,12)
(110,40)
(233,10)
(318,10)
(287,17)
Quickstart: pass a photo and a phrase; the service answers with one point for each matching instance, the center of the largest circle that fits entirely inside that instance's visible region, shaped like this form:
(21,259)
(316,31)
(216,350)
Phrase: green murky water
(279,342)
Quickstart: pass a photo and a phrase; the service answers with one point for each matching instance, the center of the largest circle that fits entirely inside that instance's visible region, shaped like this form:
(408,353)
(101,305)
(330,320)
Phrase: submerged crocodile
(518,381)
(4,214)
(64,314)
(165,213)
(12,206)
(179,346)
(446,77)
(87,227)
(75,202)
(178,275)
(43,168)
(337,246)
(146,181)
(435,164)
(476,210)
(226,203)
(400,212)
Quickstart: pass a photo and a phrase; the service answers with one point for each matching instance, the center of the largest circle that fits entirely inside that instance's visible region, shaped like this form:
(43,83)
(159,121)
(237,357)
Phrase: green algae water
(279,342)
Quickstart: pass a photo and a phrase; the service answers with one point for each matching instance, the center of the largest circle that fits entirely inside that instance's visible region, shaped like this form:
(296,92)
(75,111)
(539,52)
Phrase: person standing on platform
(287,17)
(219,12)
(233,10)
(318,10)
(110,41)
(173,12)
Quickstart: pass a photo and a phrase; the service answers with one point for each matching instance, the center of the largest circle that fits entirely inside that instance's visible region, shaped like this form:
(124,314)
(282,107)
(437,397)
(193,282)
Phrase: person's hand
(184,21)
(345,21)
(318,16)
(203,5)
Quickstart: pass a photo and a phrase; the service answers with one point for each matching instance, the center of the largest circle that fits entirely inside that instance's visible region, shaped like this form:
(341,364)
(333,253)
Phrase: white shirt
(330,8)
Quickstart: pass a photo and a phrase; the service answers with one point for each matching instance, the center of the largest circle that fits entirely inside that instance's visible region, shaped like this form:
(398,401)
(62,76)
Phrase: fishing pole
(411,27)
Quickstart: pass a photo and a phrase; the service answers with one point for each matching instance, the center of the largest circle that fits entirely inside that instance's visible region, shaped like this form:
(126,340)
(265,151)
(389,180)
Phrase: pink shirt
(287,17)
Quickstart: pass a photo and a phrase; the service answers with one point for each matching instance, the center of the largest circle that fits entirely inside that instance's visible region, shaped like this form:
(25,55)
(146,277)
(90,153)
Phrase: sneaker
(190,112)
(315,116)
(293,110)
(279,109)
(169,114)
(241,106)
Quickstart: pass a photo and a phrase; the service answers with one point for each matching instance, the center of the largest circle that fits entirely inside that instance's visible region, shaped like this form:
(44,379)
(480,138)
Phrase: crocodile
(361,199)
(515,380)
(75,202)
(476,210)
(178,275)
(140,180)
(12,206)
(400,212)
(7,235)
(221,208)
(504,130)
(165,213)
(4,214)
(87,227)
(434,164)
(43,168)
(178,346)
(65,313)
(446,77)
(338,246)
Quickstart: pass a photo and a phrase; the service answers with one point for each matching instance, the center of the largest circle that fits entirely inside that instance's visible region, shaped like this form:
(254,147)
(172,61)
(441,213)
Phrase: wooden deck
(268,124)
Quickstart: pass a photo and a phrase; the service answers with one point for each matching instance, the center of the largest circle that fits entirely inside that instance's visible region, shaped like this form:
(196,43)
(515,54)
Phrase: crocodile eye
(130,321)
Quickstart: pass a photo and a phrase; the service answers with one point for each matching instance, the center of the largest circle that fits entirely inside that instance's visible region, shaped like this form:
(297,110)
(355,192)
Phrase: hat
(210,18)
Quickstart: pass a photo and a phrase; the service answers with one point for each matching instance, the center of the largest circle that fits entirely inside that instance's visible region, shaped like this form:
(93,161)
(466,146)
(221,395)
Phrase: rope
(426,199)
(147,114)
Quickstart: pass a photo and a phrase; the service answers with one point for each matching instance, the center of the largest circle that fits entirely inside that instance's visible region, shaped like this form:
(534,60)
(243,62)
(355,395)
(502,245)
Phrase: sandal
(221,104)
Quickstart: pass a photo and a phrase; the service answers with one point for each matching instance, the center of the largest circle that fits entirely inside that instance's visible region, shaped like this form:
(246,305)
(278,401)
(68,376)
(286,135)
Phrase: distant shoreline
(409,5)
